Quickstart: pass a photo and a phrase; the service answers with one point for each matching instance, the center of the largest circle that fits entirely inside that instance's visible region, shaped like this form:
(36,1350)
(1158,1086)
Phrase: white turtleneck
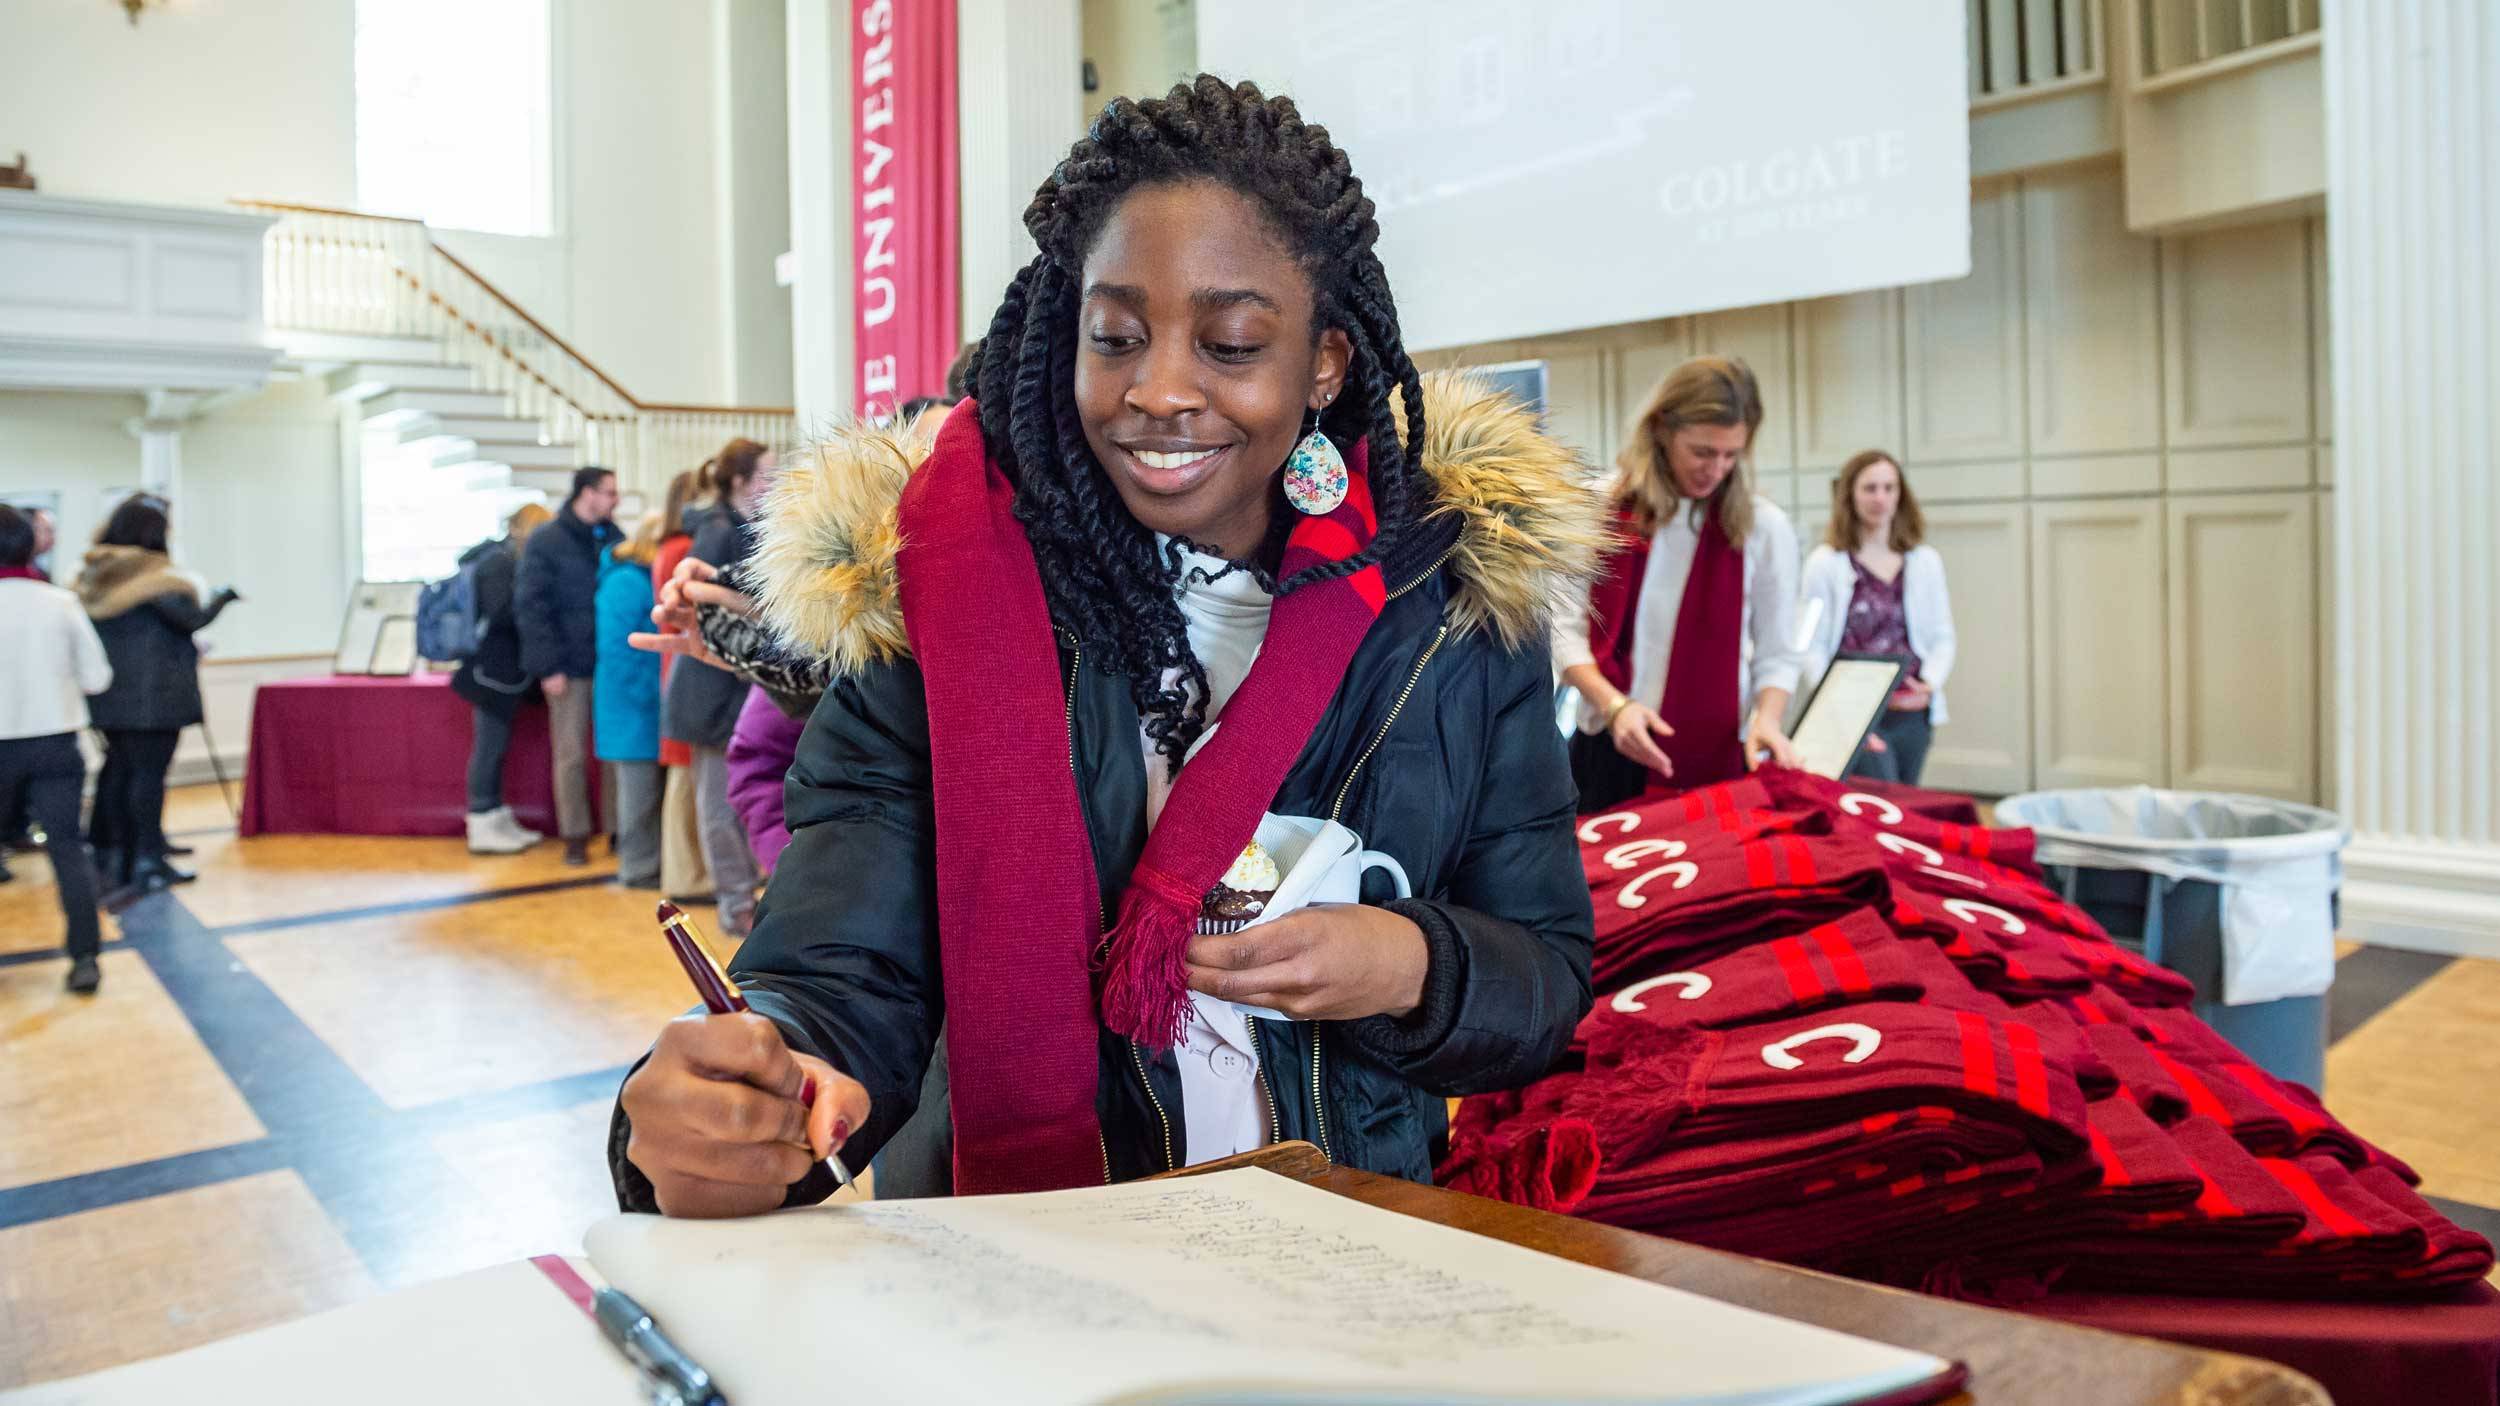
(1222,1109)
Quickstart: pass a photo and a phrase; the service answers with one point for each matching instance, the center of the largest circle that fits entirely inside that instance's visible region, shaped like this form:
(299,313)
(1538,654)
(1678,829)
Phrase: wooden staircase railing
(341,271)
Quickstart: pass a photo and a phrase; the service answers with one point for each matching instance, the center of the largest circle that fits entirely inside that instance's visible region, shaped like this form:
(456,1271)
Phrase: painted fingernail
(807,1089)
(841,1131)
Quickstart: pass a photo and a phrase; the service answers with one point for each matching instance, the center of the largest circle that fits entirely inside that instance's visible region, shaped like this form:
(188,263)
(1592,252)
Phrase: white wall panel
(1848,377)
(2111,435)
(2093,354)
(2241,470)
(1761,336)
(2097,618)
(2243,613)
(2096,476)
(1986,747)
(1964,343)
(1576,403)
(2235,336)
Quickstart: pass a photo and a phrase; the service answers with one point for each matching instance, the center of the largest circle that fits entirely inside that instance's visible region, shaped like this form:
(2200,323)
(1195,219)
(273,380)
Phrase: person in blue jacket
(625,702)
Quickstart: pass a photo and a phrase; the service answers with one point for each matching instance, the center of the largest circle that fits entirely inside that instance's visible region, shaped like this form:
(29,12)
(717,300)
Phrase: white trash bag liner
(2278,865)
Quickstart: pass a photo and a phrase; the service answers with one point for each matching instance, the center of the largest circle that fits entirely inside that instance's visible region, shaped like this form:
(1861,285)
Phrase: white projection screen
(1547,165)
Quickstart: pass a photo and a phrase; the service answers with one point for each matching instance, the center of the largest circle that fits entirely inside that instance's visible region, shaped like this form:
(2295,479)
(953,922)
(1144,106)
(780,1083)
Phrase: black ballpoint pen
(674,1377)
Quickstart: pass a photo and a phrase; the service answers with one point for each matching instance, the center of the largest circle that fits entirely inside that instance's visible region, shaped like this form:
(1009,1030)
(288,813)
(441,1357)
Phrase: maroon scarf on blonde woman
(1019,910)
(1701,701)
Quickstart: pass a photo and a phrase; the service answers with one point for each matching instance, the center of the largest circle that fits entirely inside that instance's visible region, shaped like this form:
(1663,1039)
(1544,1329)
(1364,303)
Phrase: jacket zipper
(1437,563)
(1319,1109)
(1076,662)
(1336,810)
(1319,1099)
(1319,1103)
(1170,1163)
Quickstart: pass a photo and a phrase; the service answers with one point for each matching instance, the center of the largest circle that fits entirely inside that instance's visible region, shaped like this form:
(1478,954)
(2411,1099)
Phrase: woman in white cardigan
(1684,652)
(1882,591)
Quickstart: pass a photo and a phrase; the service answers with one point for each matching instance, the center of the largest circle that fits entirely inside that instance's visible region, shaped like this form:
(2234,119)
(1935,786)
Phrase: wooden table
(2013,1360)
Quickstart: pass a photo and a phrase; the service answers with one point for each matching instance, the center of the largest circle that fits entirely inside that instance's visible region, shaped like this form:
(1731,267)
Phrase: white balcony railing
(339,271)
(2025,49)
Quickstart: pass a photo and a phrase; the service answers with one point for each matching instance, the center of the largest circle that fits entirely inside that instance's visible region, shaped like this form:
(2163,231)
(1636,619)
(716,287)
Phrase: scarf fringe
(1145,986)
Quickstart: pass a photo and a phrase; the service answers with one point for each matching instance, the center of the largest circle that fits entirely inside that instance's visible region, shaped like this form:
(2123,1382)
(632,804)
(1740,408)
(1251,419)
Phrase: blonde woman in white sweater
(1882,591)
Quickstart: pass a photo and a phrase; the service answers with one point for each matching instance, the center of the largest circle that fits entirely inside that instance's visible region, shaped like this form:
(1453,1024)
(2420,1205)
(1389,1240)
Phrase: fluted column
(2413,241)
(1019,80)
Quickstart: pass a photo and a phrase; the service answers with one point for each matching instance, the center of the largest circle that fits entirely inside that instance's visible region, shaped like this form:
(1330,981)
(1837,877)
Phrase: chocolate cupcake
(1242,895)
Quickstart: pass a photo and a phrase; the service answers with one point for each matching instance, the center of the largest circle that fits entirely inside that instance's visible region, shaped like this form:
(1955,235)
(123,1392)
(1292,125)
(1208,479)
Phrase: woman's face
(1700,457)
(1877,495)
(1195,361)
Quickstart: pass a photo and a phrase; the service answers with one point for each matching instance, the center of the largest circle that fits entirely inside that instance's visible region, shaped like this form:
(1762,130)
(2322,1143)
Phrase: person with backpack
(553,598)
(625,702)
(493,682)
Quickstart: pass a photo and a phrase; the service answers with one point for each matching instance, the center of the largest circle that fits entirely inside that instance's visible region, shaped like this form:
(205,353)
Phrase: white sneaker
(491,833)
(513,823)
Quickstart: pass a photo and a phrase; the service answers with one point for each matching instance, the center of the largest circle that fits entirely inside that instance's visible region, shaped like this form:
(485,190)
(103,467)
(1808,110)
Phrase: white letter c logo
(1590,833)
(1859,803)
(1969,912)
(1694,984)
(1864,1041)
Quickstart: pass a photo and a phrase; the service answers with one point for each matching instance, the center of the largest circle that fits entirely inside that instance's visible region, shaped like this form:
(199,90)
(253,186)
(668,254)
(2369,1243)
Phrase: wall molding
(2423,895)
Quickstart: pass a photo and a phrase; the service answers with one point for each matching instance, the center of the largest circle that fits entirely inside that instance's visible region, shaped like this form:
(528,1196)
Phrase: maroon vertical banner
(904,205)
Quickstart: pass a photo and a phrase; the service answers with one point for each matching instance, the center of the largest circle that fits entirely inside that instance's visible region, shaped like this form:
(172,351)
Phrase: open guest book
(1234,1287)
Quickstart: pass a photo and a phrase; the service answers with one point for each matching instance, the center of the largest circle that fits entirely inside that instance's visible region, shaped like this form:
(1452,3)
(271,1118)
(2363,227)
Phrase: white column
(1020,87)
(159,433)
(820,210)
(2413,239)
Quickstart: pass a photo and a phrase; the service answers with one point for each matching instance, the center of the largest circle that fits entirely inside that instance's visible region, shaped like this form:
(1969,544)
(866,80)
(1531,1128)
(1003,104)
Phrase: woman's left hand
(1767,743)
(1330,961)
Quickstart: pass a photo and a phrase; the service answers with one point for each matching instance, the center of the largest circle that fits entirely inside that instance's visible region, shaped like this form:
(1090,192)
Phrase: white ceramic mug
(1321,861)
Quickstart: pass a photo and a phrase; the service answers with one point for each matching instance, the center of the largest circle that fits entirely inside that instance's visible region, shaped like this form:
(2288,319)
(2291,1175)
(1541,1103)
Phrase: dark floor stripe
(138,1181)
(373,1168)
(371,1173)
(290,1076)
(204,832)
(47,954)
(504,1105)
(414,905)
(2371,980)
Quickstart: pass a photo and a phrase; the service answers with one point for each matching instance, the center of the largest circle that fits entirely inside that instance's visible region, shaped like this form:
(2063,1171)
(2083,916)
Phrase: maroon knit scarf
(1019,910)
(1701,701)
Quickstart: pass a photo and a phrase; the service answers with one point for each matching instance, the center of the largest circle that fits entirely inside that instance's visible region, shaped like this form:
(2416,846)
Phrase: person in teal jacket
(625,703)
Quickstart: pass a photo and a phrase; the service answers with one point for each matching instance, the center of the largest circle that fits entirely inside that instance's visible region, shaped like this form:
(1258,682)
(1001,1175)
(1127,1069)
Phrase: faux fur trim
(1531,525)
(117,580)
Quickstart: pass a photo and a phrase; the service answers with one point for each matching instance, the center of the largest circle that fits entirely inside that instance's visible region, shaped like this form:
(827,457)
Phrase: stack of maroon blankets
(1837,1031)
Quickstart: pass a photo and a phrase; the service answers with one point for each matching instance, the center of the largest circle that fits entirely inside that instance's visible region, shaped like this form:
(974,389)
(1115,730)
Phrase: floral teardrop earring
(1315,474)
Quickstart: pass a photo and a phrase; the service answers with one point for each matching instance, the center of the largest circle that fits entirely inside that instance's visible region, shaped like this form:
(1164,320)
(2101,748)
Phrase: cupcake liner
(1215,927)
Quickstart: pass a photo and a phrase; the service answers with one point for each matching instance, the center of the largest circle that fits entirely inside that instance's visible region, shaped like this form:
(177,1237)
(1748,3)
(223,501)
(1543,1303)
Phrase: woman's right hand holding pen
(720,1122)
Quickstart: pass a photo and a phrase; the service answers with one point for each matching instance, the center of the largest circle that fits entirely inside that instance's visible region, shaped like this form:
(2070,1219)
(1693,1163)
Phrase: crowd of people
(114,651)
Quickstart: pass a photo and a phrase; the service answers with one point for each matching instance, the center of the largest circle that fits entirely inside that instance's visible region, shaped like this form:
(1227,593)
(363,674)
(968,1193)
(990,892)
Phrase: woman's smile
(1168,468)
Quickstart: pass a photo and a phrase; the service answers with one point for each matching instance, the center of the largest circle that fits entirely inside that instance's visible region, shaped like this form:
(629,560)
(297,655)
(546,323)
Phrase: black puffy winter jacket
(1440,748)
(554,598)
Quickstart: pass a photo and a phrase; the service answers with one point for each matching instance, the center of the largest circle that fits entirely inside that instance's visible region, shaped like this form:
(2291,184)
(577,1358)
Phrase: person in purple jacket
(760,752)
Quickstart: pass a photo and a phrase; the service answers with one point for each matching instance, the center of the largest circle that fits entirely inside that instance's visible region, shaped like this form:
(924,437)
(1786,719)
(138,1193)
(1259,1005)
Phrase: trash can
(2236,893)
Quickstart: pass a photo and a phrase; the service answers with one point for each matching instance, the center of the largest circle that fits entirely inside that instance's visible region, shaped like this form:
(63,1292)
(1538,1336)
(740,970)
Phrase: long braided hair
(1105,581)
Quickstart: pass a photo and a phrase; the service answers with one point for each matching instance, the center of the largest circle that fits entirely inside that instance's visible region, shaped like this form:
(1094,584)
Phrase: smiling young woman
(1199,481)
(1701,568)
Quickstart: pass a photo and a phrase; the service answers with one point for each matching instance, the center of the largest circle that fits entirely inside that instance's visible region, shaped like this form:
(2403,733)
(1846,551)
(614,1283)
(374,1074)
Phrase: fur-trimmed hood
(1530,527)
(117,580)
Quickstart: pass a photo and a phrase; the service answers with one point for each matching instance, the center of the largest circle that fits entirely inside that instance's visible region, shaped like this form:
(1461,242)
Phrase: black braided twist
(1108,587)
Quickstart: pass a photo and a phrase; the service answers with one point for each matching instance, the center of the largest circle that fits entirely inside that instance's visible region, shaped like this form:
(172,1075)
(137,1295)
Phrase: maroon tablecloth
(2364,1354)
(365,756)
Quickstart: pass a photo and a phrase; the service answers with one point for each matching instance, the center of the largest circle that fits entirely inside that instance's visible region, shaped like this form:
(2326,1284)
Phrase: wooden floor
(335,1066)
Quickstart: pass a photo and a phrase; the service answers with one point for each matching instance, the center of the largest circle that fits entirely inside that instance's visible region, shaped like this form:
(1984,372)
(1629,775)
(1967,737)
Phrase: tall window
(452,113)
